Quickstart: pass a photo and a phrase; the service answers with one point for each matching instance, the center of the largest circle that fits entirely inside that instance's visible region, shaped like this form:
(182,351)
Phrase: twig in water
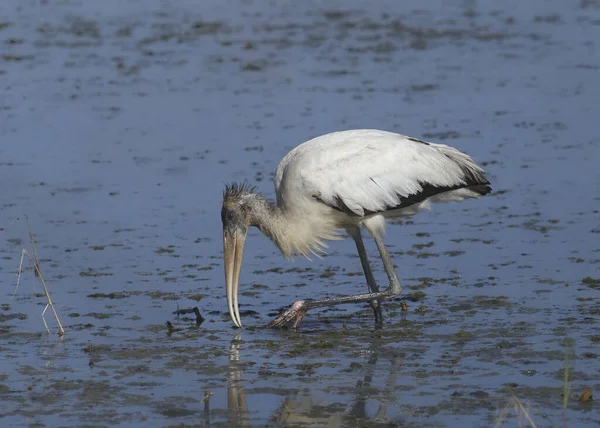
(171,328)
(194,310)
(523,412)
(36,265)
(520,408)
(207,394)
(36,259)
(206,400)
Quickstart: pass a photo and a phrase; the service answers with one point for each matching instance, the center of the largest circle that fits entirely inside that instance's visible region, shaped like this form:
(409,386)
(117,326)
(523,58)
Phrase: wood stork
(342,181)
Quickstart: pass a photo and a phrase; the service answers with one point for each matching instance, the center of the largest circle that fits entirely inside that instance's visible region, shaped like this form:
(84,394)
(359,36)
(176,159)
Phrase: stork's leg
(364,260)
(296,312)
(394,287)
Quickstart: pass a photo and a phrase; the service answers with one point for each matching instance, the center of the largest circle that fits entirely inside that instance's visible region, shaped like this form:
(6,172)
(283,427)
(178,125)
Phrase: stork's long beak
(233,251)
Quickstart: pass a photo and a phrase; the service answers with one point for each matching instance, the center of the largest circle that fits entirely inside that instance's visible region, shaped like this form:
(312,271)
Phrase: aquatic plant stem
(566,386)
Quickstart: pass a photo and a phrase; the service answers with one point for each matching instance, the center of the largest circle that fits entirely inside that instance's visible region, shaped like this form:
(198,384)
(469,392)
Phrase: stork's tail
(474,175)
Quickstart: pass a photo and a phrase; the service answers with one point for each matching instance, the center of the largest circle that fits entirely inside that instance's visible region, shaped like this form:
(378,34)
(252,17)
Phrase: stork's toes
(291,317)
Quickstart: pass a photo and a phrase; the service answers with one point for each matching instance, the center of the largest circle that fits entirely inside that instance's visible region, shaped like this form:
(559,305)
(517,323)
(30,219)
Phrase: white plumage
(342,181)
(362,174)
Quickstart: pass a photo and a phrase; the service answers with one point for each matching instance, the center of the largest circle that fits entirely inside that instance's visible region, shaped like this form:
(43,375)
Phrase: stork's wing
(367,171)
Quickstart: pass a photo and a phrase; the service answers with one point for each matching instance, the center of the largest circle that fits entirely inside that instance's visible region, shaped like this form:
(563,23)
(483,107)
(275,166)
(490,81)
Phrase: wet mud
(120,121)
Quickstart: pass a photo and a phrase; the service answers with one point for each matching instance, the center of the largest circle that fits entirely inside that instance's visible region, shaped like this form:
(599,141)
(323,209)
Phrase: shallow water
(121,120)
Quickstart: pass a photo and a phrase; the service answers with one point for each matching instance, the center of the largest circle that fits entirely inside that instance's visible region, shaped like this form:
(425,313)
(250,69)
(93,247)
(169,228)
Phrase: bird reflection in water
(236,396)
(300,409)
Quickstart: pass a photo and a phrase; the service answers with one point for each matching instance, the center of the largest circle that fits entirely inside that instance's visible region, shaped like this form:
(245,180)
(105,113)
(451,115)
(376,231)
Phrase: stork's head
(237,214)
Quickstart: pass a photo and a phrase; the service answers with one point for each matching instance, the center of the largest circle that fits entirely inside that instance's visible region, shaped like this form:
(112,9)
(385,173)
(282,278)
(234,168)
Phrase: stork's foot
(292,316)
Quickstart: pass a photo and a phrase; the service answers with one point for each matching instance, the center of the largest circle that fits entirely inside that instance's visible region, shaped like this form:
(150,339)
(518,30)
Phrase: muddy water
(120,122)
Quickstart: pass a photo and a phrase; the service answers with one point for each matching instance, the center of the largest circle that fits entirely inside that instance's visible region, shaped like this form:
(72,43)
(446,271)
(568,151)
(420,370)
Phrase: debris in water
(586,396)
(195,310)
(172,329)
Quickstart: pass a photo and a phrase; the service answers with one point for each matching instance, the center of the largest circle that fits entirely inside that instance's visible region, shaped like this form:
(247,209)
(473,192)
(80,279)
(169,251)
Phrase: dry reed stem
(520,412)
(36,264)
(523,412)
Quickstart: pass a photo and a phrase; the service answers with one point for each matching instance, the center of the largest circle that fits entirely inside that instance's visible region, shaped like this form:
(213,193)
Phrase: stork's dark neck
(264,214)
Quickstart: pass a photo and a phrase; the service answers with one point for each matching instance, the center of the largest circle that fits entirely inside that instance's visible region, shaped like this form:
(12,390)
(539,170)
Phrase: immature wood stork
(342,181)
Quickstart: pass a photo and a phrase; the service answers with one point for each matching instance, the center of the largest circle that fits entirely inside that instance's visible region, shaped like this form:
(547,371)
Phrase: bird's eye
(229,216)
